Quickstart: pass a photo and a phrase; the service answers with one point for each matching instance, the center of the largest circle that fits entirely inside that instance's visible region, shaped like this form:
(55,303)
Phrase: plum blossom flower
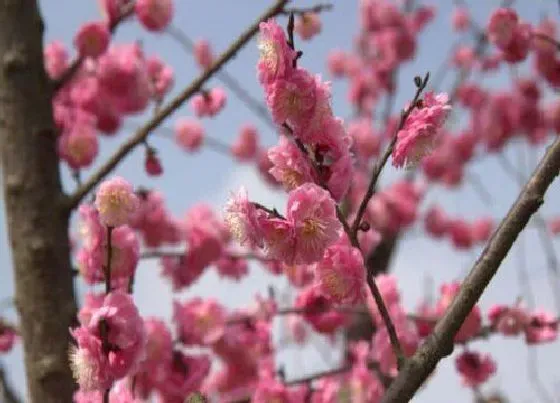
(318,311)
(341,273)
(475,368)
(246,145)
(92,39)
(308,25)
(501,27)
(199,322)
(276,57)
(542,328)
(203,53)
(290,166)
(241,218)
(8,336)
(312,212)
(189,134)
(154,15)
(116,202)
(420,131)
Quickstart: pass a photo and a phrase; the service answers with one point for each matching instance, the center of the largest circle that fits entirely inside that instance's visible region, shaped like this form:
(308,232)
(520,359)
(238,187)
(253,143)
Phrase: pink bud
(155,15)
(203,53)
(189,134)
(92,39)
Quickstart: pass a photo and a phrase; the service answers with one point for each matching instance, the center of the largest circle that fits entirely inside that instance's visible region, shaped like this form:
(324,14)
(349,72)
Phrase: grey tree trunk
(37,221)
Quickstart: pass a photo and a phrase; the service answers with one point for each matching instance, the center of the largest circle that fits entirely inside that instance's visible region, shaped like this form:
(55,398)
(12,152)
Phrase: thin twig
(171,107)
(7,393)
(440,343)
(378,168)
(307,10)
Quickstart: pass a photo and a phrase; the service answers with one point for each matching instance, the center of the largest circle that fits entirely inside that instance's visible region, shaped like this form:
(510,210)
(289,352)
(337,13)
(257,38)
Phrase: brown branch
(171,107)
(74,67)
(440,343)
(378,168)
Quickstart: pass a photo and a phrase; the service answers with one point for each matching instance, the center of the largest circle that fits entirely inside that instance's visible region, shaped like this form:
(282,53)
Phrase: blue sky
(210,177)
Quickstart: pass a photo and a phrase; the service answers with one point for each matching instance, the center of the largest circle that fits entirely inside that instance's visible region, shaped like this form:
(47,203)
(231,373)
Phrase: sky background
(209,176)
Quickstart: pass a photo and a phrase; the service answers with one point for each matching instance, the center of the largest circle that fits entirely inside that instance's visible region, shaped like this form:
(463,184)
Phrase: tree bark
(36,219)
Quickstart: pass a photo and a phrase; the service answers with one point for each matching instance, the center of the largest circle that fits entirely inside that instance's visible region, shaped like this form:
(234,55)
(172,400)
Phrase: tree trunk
(37,222)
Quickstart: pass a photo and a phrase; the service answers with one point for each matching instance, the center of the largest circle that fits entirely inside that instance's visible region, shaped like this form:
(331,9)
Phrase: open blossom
(290,166)
(199,322)
(276,57)
(189,134)
(116,202)
(161,76)
(203,53)
(542,328)
(319,312)
(308,25)
(509,321)
(185,374)
(292,99)
(56,59)
(92,39)
(418,136)
(475,368)
(312,212)
(120,393)
(501,27)
(241,218)
(246,145)
(155,15)
(79,146)
(209,103)
(341,274)
(110,345)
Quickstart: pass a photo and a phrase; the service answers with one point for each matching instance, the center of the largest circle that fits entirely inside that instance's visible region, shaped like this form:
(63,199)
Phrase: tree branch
(171,107)
(7,393)
(440,343)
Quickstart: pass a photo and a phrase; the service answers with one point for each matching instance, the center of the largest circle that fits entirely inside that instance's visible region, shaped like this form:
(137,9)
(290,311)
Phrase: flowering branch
(440,343)
(74,67)
(384,158)
(171,107)
(540,35)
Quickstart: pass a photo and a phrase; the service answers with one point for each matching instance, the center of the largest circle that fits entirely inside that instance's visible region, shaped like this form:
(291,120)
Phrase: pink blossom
(367,144)
(290,166)
(152,163)
(460,19)
(199,322)
(276,57)
(292,99)
(246,145)
(436,222)
(336,63)
(341,274)
(554,225)
(124,79)
(319,311)
(270,390)
(116,202)
(308,25)
(299,275)
(189,134)
(113,9)
(110,345)
(92,39)
(153,368)
(518,49)
(241,218)
(312,212)
(92,302)
(185,374)
(508,321)
(79,146)
(56,59)
(482,228)
(418,136)
(203,53)
(209,103)
(155,15)
(8,336)
(475,368)
(232,267)
(542,328)
(501,27)
(120,393)
(125,252)
(461,234)
(161,76)
(278,237)
(264,164)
